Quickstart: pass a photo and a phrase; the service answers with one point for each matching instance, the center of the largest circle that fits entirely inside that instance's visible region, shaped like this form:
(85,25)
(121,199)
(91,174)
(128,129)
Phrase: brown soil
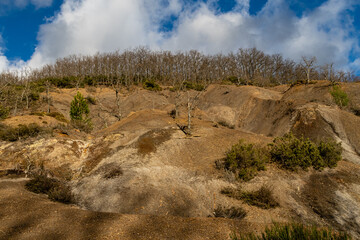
(156,182)
(26,215)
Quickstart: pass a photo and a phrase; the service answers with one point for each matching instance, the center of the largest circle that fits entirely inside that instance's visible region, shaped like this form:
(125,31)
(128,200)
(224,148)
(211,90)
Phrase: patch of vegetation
(152,85)
(356,111)
(245,160)
(235,80)
(291,153)
(58,116)
(293,231)
(90,81)
(262,198)
(65,82)
(4,112)
(194,86)
(55,189)
(91,100)
(34,96)
(340,97)
(233,212)
(11,134)
(79,113)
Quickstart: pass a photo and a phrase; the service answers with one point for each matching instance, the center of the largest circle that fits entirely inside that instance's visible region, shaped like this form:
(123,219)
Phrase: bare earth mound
(143,177)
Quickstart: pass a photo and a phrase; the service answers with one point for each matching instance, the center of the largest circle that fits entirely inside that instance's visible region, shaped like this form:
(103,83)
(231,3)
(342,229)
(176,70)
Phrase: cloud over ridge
(90,26)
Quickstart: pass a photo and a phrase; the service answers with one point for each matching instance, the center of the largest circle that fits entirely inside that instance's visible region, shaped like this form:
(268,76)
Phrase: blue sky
(36,32)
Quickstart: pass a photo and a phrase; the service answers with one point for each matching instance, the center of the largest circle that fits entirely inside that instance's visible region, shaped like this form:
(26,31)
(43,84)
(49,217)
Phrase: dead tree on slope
(308,66)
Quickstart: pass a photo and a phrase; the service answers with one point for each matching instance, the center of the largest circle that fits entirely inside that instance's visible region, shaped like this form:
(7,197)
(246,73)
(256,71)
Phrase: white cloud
(6,5)
(90,26)
(42,3)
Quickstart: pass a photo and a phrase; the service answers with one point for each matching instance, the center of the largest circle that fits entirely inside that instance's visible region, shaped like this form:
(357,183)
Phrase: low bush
(152,85)
(194,86)
(293,231)
(245,160)
(262,198)
(236,80)
(11,134)
(90,81)
(55,189)
(340,97)
(233,212)
(34,96)
(61,193)
(40,184)
(4,112)
(291,153)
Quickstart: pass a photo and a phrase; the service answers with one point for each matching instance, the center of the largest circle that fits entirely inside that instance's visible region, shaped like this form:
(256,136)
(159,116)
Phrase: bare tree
(308,65)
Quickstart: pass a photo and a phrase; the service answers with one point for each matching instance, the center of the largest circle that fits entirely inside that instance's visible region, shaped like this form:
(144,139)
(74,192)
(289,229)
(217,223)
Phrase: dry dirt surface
(143,178)
(25,215)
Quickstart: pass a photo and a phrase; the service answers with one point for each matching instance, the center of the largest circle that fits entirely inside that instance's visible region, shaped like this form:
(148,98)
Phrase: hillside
(144,177)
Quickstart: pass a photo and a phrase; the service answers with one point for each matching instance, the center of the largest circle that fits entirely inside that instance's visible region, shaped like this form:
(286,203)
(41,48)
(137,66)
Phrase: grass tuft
(233,212)
(262,198)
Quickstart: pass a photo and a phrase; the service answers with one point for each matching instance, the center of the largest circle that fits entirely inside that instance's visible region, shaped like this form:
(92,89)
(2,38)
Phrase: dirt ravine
(143,178)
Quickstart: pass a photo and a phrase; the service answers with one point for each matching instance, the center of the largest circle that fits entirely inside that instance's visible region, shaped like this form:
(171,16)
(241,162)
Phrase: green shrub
(65,82)
(245,160)
(55,189)
(236,80)
(194,86)
(11,134)
(152,85)
(79,113)
(291,153)
(262,198)
(90,81)
(293,231)
(34,96)
(4,112)
(330,152)
(340,97)
(233,212)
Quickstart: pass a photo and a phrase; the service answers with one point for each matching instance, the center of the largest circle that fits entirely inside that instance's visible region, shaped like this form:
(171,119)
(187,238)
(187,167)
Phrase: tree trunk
(48,98)
(189,112)
(118,104)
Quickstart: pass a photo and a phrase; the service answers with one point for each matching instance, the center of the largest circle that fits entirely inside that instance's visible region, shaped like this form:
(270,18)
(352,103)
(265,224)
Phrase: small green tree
(79,113)
(340,96)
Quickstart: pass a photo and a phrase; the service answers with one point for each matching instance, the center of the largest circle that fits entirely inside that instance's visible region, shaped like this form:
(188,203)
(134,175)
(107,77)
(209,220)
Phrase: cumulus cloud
(90,26)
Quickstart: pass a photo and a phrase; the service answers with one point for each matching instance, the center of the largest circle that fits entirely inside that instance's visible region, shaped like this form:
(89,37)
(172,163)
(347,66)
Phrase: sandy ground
(25,215)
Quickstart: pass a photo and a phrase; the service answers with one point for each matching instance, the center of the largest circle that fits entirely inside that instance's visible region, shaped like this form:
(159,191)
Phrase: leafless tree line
(118,70)
(246,66)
